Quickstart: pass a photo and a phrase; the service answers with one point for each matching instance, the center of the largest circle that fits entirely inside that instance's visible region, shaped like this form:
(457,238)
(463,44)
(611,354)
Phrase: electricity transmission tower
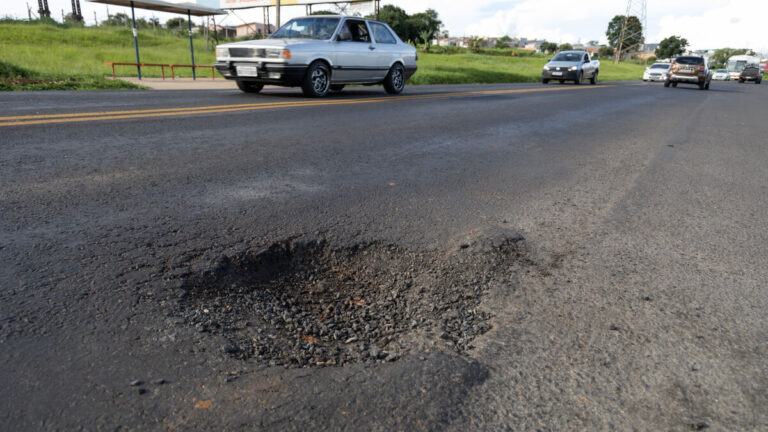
(43,10)
(77,14)
(639,9)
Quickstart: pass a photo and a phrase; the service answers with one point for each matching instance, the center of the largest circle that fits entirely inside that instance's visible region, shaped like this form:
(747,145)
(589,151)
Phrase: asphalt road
(630,295)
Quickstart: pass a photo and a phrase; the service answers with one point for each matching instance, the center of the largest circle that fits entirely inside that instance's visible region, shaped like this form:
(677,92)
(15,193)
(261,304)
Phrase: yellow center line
(166,112)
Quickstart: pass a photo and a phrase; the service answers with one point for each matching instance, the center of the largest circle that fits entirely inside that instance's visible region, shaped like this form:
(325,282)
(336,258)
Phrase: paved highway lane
(524,256)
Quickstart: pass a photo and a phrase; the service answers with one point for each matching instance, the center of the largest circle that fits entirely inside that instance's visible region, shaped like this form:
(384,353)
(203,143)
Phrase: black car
(751,73)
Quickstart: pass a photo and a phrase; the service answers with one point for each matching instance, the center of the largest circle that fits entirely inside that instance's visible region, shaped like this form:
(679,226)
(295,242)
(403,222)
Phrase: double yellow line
(27,120)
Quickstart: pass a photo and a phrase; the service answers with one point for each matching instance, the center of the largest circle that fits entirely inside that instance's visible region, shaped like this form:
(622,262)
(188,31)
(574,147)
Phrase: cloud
(705,23)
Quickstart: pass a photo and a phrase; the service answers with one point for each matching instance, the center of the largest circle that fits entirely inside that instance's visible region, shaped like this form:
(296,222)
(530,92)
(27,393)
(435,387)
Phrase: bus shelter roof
(161,6)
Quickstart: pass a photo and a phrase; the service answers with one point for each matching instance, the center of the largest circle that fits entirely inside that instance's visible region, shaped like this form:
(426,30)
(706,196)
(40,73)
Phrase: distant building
(452,42)
(532,45)
(244,30)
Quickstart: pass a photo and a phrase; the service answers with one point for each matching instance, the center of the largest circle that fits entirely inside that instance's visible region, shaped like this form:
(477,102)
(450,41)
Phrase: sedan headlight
(278,53)
(222,52)
(573,68)
(546,67)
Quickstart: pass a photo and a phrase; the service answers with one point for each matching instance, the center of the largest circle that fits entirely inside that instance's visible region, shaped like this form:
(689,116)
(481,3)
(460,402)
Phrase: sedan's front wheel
(593,80)
(579,78)
(317,82)
(394,83)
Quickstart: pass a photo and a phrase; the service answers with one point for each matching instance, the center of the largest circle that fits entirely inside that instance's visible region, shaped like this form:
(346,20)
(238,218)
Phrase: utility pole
(639,9)
(29,13)
(277,15)
(95,20)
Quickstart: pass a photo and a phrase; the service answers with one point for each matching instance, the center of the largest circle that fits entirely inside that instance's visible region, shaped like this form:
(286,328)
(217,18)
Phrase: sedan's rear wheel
(317,82)
(249,86)
(394,83)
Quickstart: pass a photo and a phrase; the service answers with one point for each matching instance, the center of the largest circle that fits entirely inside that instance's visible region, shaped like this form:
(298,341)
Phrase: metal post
(277,15)
(215,30)
(191,45)
(135,40)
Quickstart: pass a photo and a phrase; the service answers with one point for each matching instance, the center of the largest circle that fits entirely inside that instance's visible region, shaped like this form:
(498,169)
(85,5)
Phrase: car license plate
(686,70)
(247,71)
(557,74)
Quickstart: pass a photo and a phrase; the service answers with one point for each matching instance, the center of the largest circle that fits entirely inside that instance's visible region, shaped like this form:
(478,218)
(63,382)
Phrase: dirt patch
(311,304)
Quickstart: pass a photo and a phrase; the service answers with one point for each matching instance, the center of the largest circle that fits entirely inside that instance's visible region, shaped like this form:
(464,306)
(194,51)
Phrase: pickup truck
(573,66)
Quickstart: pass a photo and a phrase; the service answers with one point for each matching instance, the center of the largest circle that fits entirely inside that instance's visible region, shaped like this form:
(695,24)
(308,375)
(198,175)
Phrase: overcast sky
(705,23)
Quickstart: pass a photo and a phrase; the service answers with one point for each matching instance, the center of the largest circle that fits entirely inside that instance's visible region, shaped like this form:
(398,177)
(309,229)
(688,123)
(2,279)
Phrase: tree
(548,47)
(176,23)
(593,43)
(398,20)
(426,24)
(605,52)
(565,47)
(73,20)
(721,56)
(633,35)
(118,19)
(671,47)
(323,12)
(475,43)
(419,27)
(503,42)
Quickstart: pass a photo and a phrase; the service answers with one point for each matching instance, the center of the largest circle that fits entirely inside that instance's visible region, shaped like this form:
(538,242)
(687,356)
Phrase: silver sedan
(320,54)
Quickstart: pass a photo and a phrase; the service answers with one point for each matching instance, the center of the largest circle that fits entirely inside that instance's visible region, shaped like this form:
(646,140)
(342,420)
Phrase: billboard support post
(277,15)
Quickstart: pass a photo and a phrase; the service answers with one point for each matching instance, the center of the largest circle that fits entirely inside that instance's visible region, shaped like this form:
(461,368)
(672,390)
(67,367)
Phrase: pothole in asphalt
(302,304)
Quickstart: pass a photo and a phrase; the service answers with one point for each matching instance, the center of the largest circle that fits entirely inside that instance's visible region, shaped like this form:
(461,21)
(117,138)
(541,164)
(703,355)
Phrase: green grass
(13,77)
(81,51)
(74,57)
(487,69)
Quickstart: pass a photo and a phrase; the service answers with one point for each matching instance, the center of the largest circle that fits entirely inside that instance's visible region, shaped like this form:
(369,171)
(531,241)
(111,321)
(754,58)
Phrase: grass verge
(53,57)
(488,69)
(13,77)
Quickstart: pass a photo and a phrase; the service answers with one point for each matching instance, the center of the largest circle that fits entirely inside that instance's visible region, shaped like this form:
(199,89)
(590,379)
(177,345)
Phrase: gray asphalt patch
(303,304)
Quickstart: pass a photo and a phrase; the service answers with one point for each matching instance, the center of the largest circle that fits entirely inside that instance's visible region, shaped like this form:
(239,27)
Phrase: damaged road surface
(458,262)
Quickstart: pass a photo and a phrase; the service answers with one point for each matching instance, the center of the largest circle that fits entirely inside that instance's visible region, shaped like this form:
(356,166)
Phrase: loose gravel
(311,304)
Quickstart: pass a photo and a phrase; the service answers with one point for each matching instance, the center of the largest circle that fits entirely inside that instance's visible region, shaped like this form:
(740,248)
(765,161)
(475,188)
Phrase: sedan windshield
(307,28)
(568,57)
(660,66)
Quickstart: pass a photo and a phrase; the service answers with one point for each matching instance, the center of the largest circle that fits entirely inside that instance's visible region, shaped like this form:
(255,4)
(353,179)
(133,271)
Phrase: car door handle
(371,47)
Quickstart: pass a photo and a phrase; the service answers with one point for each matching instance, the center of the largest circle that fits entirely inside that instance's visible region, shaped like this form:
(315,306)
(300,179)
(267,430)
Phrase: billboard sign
(242,4)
